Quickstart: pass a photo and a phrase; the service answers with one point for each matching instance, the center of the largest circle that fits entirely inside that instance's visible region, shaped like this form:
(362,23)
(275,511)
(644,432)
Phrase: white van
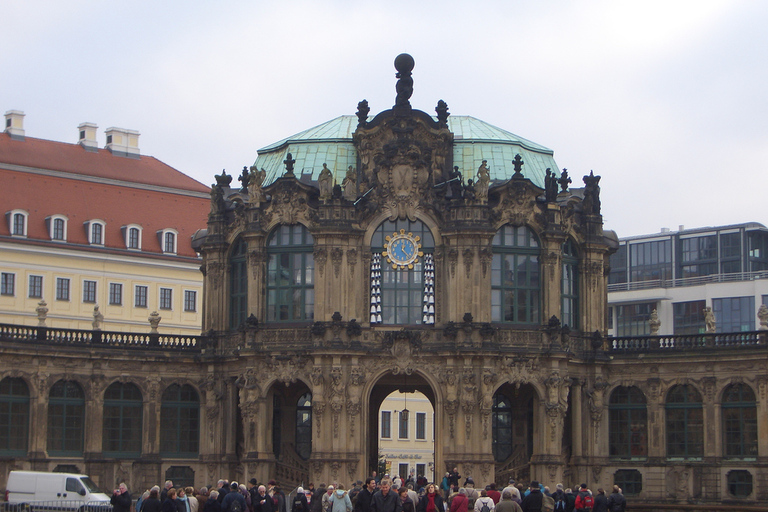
(29,491)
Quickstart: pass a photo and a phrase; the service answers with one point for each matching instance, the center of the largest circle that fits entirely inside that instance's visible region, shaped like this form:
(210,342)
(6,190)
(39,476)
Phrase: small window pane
(140,296)
(7,284)
(115,294)
(89,291)
(62,288)
(35,287)
(190,300)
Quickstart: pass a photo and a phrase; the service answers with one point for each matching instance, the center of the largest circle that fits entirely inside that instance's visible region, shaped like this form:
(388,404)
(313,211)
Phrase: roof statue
(404,87)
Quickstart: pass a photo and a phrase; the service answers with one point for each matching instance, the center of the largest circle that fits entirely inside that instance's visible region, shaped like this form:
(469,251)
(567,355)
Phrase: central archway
(388,384)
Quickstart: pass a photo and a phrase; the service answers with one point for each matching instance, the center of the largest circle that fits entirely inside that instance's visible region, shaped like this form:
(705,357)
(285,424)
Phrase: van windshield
(88,483)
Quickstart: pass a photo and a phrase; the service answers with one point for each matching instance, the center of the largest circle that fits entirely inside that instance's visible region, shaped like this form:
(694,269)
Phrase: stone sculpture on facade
(98,318)
(654,323)
(762,315)
(709,319)
(325,183)
(483,182)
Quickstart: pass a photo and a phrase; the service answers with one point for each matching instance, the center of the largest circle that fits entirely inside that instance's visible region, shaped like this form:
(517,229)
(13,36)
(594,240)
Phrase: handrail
(95,338)
(678,342)
(688,281)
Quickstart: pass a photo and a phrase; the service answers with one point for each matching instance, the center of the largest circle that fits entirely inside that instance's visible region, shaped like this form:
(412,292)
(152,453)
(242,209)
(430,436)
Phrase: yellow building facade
(97,238)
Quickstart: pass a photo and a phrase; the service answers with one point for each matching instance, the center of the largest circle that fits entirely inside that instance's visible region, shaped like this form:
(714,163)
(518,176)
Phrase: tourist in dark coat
(616,501)
(363,503)
(532,502)
(169,504)
(386,500)
(121,499)
(152,503)
(601,501)
(212,503)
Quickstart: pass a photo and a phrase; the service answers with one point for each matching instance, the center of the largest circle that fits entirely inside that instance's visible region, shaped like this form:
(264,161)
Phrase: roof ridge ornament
(404,65)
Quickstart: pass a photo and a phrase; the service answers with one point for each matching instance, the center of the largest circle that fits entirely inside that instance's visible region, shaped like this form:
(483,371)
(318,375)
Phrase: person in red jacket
(460,502)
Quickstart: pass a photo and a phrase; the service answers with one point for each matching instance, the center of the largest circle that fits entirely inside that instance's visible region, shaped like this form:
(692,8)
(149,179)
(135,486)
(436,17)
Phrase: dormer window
(17,222)
(94,230)
(57,227)
(132,236)
(168,238)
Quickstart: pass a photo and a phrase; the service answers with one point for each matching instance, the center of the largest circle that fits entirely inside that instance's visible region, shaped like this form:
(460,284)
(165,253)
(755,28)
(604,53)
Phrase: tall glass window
(89,291)
(632,319)
(238,284)
(133,238)
(386,424)
(123,412)
(618,262)
(290,275)
(684,421)
(180,422)
(62,288)
(734,314)
(651,261)
(403,426)
(18,224)
(569,289)
(96,233)
(304,426)
(739,422)
(169,242)
(14,417)
(58,229)
(757,243)
(628,423)
(689,317)
(421,425)
(66,419)
(699,256)
(730,253)
(405,295)
(35,287)
(501,427)
(515,284)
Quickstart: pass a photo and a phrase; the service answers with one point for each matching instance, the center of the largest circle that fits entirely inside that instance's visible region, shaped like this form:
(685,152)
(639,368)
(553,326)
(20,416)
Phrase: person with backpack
(584,499)
(616,501)
(300,501)
(484,503)
(234,501)
(559,497)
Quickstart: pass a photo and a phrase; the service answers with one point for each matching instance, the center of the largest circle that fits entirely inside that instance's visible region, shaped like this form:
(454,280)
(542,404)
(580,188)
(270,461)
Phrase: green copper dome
(474,141)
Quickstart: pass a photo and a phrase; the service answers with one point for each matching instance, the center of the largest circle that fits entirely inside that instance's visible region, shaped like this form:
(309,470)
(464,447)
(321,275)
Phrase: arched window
(685,428)
(290,275)
(502,427)
(238,284)
(515,286)
(14,417)
(628,423)
(123,413)
(304,426)
(402,274)
(134,238)
(66,419)
(739,422)
(180,422)
(569,290)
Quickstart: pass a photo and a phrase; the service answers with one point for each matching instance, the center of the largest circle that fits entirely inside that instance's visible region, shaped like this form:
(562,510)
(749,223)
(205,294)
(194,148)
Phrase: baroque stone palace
(406,252)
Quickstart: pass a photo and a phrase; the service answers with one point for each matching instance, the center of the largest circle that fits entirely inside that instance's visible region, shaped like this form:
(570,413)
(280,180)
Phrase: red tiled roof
(115,204)
(73,158)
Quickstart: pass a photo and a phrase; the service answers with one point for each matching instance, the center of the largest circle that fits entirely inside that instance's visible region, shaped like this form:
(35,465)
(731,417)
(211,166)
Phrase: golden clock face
(403,250)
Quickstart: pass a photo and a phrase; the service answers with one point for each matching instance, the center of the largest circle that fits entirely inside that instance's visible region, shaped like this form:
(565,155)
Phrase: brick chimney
(87,136)
(14,124)
(123,142)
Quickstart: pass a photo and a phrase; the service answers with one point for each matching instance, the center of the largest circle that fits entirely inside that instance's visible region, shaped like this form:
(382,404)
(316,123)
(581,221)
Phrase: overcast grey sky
(666,100)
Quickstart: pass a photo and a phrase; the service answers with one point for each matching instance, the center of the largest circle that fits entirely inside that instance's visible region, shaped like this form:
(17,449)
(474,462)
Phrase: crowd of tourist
(373,495)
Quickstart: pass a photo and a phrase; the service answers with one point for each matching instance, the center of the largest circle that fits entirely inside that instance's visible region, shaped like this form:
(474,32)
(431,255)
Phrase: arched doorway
(402,392)
(514,425)
(290,432)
